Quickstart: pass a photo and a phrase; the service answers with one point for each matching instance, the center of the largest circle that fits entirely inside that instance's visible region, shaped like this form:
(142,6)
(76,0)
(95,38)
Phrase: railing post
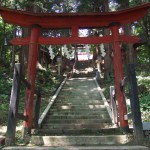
(37,108)
(135,106)
(113,105)
(13,106)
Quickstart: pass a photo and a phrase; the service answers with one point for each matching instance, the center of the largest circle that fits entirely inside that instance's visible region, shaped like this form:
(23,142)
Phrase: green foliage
(5,87)
(143,54)
(143,78)
(90,6)
(145,106)
(145,102)
(47,80)
(105,85)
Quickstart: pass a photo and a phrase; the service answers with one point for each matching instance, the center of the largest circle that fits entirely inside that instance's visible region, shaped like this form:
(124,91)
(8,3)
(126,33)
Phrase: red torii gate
(74,21)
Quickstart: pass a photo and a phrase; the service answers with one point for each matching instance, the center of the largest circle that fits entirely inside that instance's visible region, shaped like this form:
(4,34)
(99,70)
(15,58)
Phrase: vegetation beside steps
(47,80)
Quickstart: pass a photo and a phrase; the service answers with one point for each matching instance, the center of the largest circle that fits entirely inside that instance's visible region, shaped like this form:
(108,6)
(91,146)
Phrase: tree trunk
(130,51)
(108,50)
(24,52)
(148,48)
(26,32)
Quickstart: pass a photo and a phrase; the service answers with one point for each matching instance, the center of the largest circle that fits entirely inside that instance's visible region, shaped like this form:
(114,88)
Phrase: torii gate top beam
(69,20)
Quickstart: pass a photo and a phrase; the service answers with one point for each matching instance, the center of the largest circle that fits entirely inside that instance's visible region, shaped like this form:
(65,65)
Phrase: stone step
(79,110)
(76,125)
(90,94)
(54,120)
(56,112)
(79,140)
(67,102)
(78,96)
(77,103)
(78,88)
(80,82)
(77,99)
(75,86)
(71,109)
(135,147)
(80,106)
(85,132)
(100,116)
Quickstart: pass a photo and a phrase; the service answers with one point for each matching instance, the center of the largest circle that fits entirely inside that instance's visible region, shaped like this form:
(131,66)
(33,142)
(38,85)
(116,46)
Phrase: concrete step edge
(79,140)
(135,147)
(76,132)
(77,116)
(54,120)
(76,126)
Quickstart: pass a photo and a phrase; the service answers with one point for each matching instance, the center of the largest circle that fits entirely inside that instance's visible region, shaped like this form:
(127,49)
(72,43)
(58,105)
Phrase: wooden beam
(67,20)
(129,39)
(75,40)
(64,40)
(20,41)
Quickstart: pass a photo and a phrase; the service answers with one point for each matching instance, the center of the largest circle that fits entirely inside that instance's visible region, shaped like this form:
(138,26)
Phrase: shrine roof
(69,20)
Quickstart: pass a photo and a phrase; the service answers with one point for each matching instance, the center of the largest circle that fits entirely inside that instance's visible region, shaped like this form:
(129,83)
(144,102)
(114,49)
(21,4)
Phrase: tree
(143,30)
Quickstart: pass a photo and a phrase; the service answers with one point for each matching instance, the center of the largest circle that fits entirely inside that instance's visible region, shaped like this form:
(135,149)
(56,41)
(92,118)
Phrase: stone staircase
(78,117)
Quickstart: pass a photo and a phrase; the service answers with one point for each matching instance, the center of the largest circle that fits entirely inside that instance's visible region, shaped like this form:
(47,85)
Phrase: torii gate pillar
(118,71)
(31,76)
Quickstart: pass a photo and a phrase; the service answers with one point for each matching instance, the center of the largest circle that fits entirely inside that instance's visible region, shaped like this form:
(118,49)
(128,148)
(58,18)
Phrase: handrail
(51,101)
(103,98)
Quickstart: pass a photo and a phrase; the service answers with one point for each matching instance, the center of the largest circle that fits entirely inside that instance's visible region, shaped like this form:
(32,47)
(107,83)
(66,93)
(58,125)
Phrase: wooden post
(37,108)
(13,106)
(118,71)
(135,106)
(31,75)
(113,105)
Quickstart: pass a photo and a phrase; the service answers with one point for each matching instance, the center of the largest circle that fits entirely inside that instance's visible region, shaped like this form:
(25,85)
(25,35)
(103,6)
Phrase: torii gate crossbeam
(75,40)
(74,21)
